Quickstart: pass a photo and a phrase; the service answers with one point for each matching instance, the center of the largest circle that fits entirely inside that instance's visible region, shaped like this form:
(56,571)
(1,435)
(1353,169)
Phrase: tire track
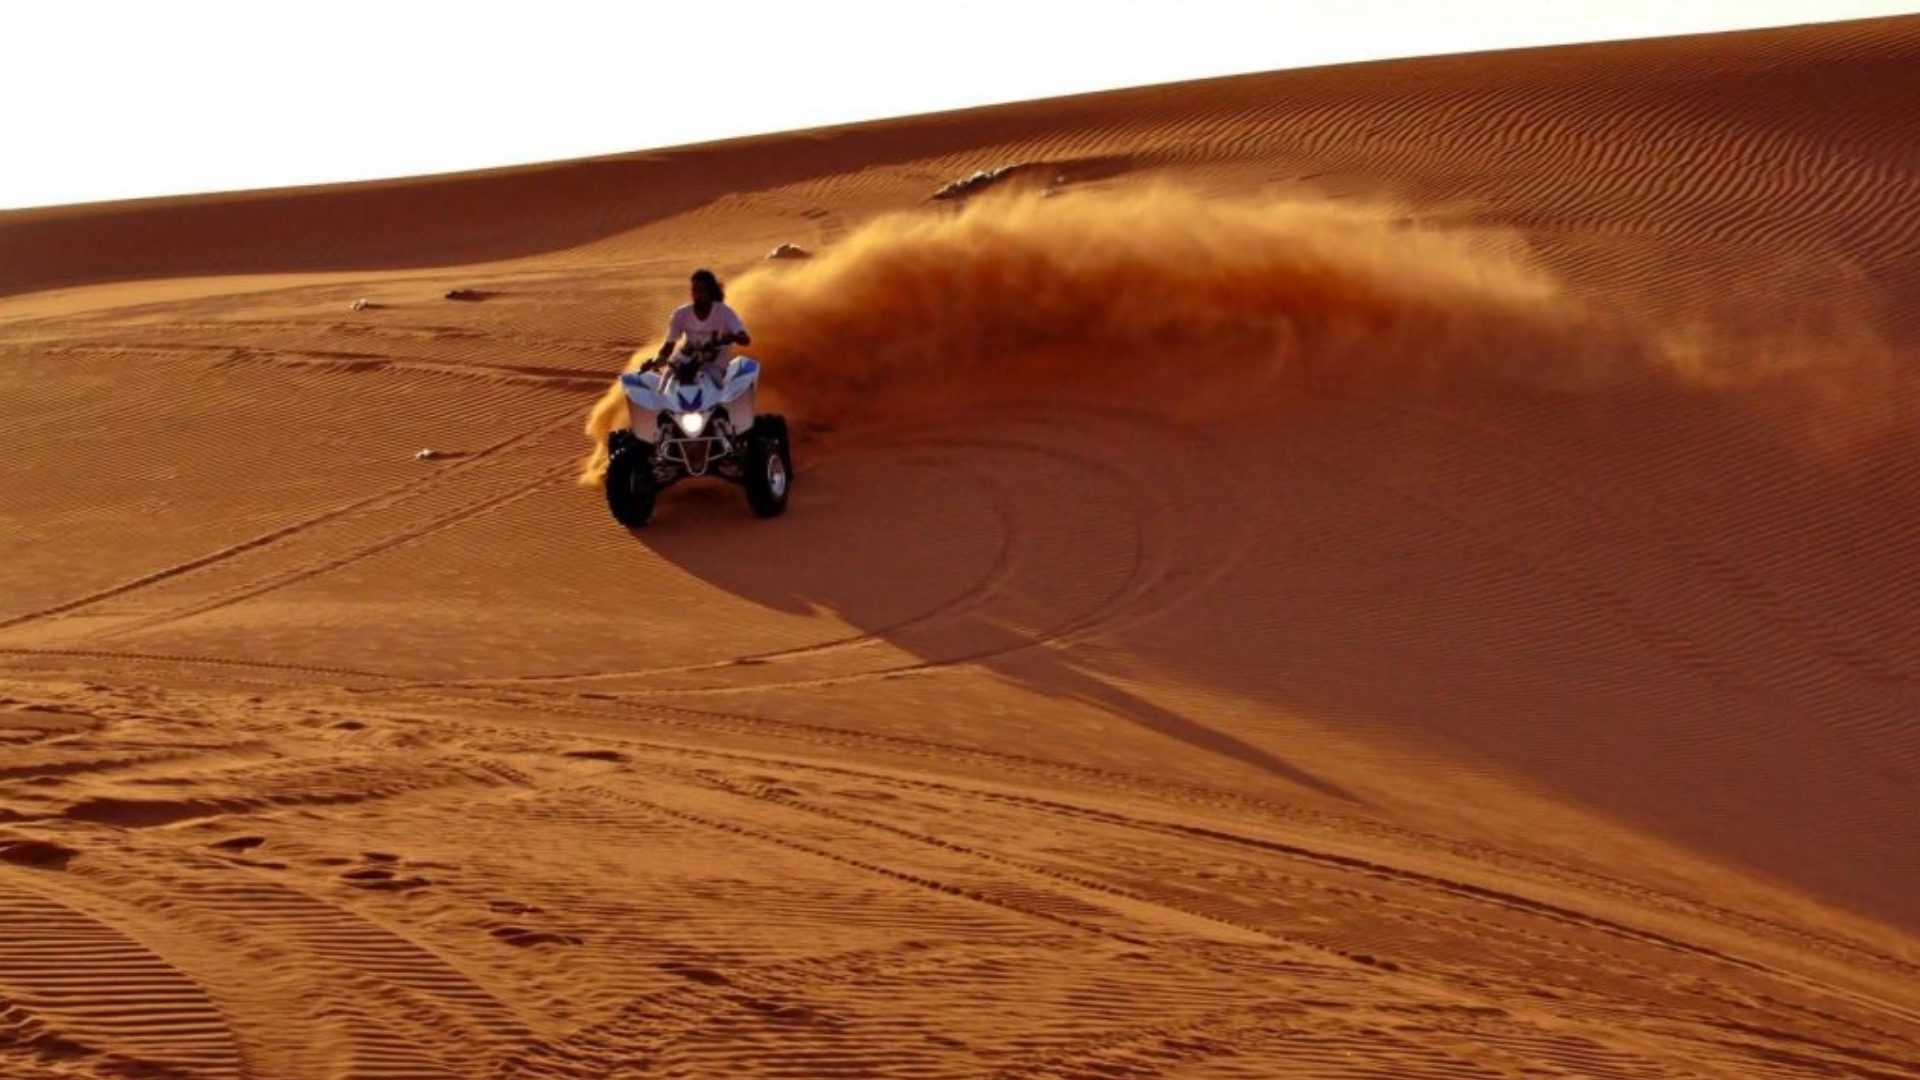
(916,880)
(1153,559)
(1423,884)
(94,986)
(1495,898)
(244,592)
(264,666)
(273,537)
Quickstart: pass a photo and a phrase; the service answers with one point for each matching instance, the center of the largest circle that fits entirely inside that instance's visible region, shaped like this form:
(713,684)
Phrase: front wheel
(768,472)
(630,488)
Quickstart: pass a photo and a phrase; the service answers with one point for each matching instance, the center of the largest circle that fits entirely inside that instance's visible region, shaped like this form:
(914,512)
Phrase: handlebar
(689,353)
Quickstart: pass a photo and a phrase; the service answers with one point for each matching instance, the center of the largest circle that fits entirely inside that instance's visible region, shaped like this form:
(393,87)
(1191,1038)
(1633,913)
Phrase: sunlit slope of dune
(1402,571)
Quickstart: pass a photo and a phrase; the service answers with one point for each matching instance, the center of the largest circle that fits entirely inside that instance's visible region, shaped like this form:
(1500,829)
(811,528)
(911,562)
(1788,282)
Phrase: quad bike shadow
(826,559)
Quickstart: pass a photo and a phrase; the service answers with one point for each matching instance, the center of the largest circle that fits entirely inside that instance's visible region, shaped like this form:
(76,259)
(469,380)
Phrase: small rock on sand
(789,251)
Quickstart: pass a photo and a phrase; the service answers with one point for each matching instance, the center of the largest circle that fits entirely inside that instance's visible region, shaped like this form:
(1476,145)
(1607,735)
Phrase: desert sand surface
(1404,570)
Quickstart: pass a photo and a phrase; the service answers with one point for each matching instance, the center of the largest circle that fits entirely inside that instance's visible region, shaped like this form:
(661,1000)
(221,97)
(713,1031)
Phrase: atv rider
(706,320)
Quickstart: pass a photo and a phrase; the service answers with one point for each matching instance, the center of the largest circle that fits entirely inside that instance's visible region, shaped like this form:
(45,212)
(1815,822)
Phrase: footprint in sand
(37,854)
(599,755)
(380,872)
(521,937)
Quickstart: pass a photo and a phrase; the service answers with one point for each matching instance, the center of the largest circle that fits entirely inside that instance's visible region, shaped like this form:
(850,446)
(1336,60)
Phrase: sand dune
(1404,570)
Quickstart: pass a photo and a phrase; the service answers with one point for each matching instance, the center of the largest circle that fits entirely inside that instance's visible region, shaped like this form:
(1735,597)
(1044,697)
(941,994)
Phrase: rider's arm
(673,338)
(736,330)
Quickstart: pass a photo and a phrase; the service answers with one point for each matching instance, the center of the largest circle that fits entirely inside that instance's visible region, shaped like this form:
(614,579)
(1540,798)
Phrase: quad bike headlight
(692,423)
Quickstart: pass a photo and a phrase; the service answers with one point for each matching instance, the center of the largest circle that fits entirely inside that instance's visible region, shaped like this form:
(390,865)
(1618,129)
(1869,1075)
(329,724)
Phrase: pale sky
(106,100)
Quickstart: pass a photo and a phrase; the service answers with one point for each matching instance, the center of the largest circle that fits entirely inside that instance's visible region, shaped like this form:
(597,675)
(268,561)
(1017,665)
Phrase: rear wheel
(768,469)
(630,488)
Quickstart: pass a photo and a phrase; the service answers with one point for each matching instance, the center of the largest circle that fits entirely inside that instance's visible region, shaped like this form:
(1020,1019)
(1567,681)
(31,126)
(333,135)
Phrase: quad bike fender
(742,375)
(646,400)
(736,391)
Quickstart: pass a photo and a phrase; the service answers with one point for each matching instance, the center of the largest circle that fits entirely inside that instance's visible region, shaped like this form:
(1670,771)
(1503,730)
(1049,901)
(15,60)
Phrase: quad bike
(682,423)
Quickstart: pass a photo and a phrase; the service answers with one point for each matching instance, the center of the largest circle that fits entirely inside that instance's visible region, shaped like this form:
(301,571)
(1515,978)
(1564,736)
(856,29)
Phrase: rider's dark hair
(703,276)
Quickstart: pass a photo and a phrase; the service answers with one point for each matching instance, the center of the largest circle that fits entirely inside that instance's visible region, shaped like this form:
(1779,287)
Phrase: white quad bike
(681,423)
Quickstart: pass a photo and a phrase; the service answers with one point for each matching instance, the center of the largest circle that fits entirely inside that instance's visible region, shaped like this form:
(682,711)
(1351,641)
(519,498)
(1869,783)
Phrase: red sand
(1404,570)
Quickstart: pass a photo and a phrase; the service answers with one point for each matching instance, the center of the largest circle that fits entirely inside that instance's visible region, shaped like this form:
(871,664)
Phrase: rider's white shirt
(720,319)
